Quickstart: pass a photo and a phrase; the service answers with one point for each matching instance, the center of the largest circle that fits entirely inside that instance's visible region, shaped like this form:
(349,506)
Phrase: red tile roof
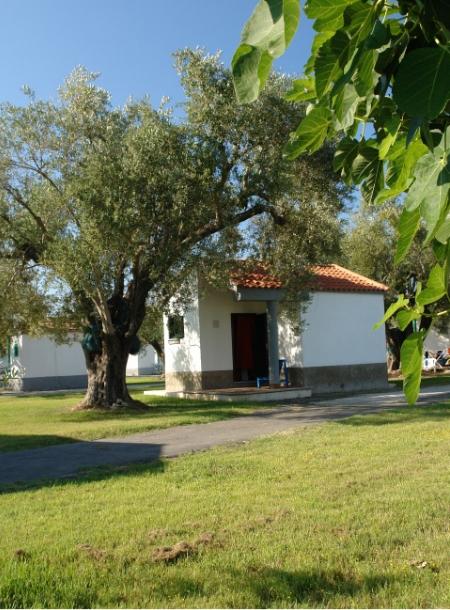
(257,277)
(326,278)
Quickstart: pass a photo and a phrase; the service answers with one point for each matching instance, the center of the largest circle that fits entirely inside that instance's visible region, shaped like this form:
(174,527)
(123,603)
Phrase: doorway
(249,342)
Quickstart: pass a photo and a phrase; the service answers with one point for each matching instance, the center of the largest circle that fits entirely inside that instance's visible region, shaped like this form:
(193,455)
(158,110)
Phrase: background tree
(379,74)
(110,209)
(368,247)
(152,331)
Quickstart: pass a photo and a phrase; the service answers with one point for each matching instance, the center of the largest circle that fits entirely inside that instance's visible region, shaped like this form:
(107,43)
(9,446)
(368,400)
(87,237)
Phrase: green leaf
(330,60)
(430,190)
(346,152)
(359,20)
(365,76)
(422,83)
(407,227)
(443,233)
(402,160)
(319,39)
(368,170)
(405,317)
(265,37)
(392,127)
(328,13)
(435,288)
(400,303)
(310,134)
(378,37)
(303,89)
(411,354)
(345,105)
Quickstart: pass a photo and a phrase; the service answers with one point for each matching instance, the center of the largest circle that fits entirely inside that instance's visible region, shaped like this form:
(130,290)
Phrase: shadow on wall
(185,376)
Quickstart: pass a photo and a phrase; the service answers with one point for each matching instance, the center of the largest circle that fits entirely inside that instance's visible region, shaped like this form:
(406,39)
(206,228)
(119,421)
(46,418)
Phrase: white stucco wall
(289,342)
(338,329)
(184,355)
(139,363)
(215,310)
(42,357)
(436,341)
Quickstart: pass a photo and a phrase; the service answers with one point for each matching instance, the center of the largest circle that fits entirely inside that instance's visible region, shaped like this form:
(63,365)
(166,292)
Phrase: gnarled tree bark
(106,370)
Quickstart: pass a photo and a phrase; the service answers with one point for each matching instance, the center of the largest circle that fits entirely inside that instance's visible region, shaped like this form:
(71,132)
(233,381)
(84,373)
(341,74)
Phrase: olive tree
(106,211)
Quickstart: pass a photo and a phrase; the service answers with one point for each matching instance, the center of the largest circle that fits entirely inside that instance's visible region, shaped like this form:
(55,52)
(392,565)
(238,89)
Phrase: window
(176,328)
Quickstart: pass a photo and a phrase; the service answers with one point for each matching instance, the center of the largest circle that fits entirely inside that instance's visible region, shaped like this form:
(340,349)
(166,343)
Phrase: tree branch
(216,226)
(15,194)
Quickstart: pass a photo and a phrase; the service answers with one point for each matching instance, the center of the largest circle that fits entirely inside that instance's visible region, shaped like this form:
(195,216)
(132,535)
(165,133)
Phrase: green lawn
(427,380)
(34,421)
(348,514)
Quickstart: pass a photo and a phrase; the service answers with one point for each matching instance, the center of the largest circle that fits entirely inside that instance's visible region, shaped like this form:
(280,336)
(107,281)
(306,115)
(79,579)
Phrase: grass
(36,421)
(347,514)
(427,380)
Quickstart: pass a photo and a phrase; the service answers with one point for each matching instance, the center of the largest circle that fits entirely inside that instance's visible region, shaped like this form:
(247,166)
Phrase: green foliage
(107,211)
(383,65)
(411,356)
(265,37)
(392,309)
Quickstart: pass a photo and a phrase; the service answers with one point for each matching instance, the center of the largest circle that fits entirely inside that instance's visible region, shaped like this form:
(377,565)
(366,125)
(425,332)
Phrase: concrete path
(65,461)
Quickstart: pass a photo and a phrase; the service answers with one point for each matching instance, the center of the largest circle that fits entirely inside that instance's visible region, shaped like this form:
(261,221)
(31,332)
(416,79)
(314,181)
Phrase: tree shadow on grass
(315,587)
(270,587)
(10,443)
(432,413)
(78,462)
(167,407)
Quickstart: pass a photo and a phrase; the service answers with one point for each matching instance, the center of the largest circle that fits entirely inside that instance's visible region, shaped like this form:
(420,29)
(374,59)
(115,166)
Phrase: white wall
(338,329)
(146,359)
(215,311)
(436,341)
(289,343)
(184,355)
(42,357)
(207,343)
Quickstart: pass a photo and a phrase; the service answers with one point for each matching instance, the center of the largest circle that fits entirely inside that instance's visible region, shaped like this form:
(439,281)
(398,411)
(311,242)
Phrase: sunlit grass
(346,514)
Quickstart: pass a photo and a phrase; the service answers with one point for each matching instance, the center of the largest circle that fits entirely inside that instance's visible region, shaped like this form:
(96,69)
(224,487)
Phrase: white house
(230,338)
(43,364)
(146,362)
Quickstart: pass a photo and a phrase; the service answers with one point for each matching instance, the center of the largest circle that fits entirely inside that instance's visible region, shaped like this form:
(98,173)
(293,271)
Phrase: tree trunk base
(119,405)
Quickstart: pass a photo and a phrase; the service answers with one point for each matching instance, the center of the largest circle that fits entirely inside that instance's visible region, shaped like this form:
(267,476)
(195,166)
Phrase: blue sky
(129,41)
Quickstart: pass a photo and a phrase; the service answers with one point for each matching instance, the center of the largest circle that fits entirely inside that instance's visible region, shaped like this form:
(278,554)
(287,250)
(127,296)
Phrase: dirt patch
(92,552)
(170,554)
(21,555)
(155,534)
(265,520)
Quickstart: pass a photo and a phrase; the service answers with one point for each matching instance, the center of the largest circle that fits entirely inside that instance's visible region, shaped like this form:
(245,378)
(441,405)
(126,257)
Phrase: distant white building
(146,362)
(43,364)
(230,338)
(437,341)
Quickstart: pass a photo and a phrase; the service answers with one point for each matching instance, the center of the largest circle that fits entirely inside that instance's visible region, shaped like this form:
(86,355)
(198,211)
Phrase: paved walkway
(65,461)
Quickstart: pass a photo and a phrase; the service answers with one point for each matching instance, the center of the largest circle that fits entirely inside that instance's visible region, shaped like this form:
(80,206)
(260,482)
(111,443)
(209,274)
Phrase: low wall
(201,380)
(62,382)
(344,378)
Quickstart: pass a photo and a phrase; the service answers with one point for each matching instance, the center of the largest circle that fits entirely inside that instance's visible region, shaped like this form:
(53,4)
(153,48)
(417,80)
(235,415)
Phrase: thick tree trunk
(107,386)
(395,338)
